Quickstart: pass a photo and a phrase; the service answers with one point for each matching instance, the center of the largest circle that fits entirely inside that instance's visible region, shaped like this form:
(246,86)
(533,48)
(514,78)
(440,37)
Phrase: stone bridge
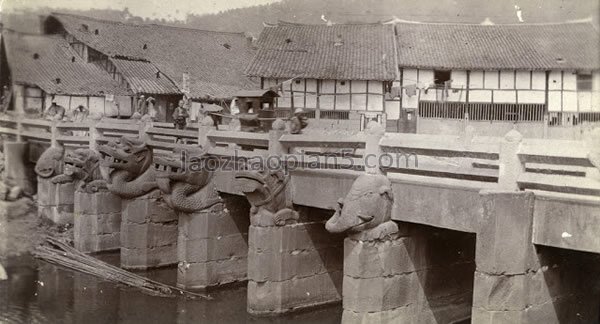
(437,229)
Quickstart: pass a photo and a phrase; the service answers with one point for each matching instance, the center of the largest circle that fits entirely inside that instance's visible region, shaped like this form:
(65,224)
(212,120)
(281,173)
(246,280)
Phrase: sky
(167,9)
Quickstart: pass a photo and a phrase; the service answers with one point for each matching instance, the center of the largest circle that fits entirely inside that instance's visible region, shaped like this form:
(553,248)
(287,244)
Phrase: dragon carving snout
(366,210)
(184,188)
(50,163)
(82,165)
(126,167)
(266,192)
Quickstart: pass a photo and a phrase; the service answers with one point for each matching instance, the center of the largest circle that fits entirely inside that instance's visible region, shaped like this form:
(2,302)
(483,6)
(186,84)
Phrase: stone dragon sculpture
(185,190)
(50,163)
(266,192)
(366,211)
(128,172)
(82,166)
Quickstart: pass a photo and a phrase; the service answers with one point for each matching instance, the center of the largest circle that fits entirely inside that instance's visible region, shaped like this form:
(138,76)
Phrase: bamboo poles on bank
(58,252)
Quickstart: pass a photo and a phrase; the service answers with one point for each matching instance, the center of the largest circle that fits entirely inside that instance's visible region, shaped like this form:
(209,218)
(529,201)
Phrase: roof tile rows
(527,46)
(51,64)
(215,61)
(144,77)
(357,52)
(366,51)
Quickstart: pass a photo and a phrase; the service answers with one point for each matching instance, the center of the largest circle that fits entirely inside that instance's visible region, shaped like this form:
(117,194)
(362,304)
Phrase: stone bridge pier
(293,266)
(519,282)
(212,244)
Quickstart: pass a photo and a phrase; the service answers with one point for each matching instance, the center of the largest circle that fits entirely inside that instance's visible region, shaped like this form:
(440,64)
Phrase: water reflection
(48,294)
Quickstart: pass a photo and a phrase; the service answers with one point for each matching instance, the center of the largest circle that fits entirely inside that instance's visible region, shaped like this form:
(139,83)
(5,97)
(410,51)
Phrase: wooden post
(510,165)
(546,121)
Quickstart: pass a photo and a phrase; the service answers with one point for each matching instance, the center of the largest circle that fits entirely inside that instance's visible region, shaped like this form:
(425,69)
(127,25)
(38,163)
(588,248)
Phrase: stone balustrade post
(19,128)
(94,134)
(510,165)
(144,125)
(374,133)
(203,139)
(54,134)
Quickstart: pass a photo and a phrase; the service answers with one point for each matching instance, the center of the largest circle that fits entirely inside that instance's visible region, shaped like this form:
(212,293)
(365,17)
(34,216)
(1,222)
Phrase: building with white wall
(340,74)
(499,74)
(41,68)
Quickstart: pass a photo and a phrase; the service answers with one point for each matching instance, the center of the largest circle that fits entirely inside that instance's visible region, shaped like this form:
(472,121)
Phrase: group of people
(58,112)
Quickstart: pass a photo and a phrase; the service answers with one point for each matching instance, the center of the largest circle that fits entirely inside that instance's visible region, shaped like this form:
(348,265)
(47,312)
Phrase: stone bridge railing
(511,162)
(519,197)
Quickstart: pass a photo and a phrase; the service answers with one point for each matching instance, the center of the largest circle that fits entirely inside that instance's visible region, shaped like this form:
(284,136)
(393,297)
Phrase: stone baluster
(54,134)
(374,133)
(511,166)
(275,147)
(95,134)
(203,140)
(145,124)
(19,126)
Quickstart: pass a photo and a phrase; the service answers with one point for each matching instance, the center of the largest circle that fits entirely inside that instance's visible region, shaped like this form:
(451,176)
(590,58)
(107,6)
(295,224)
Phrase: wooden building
(340,74)
(41,68)
(497,76)
(160,61)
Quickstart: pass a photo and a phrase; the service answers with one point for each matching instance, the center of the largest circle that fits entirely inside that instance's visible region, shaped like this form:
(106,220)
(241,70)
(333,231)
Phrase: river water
(38,292)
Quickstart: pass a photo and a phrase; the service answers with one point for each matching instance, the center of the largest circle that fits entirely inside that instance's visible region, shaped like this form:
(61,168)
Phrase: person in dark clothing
(55,112)
(180,115)
(298,122)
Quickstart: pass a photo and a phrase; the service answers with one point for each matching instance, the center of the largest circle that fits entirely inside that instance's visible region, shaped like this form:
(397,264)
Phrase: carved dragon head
(81,162)
(127,154)
(184,182)
(50,163)
(366,206)
(262,187)
(179,167)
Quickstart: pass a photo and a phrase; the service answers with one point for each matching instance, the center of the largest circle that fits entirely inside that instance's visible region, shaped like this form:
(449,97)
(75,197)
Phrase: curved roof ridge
(108,21)
(288,23)
(395,20)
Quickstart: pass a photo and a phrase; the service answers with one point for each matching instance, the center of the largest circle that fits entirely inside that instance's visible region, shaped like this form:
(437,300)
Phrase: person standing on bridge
(54,112)
(180,115)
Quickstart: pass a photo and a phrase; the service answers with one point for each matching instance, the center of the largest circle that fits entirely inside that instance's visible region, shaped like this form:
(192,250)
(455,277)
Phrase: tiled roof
(526,46)
(144,77)
(215,61)
(345,52)
(41,60)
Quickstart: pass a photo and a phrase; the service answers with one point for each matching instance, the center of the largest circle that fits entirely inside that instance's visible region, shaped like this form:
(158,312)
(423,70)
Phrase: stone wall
(293,266)
(97,218)
(148,233)
(55,201)
(518,282)
(420,275)
(212,246)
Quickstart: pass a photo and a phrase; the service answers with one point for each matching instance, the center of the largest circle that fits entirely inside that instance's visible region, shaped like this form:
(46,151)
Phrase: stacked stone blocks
(211,248)
(97,218)
(56,201)
(148,233)
(292,267)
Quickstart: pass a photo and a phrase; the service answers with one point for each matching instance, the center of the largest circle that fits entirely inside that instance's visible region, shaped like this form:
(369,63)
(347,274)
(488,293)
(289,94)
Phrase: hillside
(251,19)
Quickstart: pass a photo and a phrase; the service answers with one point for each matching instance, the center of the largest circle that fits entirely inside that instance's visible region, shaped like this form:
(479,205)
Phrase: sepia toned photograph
(300,161)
